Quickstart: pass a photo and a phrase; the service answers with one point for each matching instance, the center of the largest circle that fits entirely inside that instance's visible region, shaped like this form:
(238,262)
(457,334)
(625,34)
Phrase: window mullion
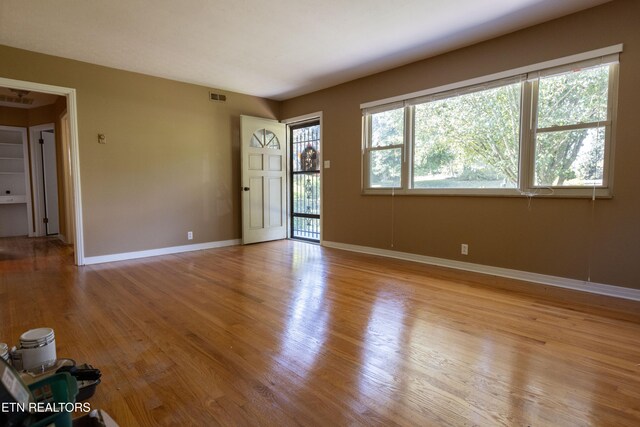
(407,165)
(366,141)
(612,110)
(525,159)
(385,147)
(529,127)
(577,126)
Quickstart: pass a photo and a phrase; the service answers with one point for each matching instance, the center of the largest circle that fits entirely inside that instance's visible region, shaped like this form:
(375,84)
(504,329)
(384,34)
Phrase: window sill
(555,193)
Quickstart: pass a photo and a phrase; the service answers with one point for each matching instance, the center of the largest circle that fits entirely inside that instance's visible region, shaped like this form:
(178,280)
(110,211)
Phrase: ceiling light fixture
(20,93)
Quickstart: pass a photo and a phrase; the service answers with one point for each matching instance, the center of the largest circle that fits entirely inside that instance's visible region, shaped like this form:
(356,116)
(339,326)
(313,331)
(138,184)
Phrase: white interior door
(44,180)
(50,173)
(263,152)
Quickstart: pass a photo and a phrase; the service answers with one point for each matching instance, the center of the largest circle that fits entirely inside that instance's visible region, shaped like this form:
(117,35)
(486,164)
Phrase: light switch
(327,164)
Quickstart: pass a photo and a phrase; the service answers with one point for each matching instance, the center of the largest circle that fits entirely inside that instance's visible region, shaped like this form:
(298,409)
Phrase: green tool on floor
(49,401)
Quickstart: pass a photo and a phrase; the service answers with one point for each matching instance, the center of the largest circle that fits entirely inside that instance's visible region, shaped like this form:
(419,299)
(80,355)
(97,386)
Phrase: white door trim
(289,122)
(72,109)
(68,188)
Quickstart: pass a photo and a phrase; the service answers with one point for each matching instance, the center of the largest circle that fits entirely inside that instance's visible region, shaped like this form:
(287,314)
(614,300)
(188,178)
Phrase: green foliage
(386,167)
(575,97)
(555,153)
(591,168)
(475,137)
(571,98)
(435,159)
(387,129)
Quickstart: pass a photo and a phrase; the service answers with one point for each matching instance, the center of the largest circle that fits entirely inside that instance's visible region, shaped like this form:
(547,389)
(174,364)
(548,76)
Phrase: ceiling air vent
(217,97)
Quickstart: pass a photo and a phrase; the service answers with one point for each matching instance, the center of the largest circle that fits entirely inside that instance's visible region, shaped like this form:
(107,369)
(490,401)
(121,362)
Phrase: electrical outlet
(464,249)
(189,235)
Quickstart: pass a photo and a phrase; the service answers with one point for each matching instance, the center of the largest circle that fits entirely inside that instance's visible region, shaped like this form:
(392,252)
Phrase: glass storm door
(305,181)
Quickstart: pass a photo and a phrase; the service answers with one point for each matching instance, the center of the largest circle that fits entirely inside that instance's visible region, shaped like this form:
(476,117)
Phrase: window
(385,130)
(468,140)
(571,127)
(545,131)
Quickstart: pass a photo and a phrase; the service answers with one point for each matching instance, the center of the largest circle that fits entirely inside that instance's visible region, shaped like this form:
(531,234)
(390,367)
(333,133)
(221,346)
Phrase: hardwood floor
(287,333)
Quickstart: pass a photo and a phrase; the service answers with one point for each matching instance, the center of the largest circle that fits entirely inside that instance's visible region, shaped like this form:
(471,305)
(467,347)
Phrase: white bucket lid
(37,335)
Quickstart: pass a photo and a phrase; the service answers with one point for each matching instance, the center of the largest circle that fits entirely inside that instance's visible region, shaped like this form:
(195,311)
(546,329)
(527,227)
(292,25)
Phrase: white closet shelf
(4,200)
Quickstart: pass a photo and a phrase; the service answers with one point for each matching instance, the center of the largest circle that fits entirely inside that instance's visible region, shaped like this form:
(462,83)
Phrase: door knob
(245,188)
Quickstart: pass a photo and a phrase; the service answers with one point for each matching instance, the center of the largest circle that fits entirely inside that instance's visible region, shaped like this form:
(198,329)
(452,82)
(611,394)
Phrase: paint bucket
(38,348)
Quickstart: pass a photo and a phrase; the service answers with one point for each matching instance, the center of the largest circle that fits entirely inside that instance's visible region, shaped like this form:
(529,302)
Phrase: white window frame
(530,131)
(529,76)
(367,149)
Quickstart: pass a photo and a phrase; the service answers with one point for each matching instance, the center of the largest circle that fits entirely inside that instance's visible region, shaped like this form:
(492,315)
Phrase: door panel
(275,202)
(255,162)
(256,198)
(275,163)
(263,179)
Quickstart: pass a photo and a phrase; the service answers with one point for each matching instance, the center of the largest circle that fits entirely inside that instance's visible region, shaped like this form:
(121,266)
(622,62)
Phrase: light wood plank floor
(288,333)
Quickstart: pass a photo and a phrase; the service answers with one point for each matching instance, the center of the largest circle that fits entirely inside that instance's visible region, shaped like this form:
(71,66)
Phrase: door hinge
(45,220)
(41,141)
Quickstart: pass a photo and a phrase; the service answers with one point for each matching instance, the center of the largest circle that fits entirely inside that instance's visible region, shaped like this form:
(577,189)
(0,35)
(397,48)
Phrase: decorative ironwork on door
(305,181)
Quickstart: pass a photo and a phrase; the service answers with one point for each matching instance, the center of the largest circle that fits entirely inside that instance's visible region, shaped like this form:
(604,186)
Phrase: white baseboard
(161,251)
(561,282)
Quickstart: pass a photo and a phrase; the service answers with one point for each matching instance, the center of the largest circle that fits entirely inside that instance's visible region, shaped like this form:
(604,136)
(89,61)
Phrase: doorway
(305,183)
(72,155)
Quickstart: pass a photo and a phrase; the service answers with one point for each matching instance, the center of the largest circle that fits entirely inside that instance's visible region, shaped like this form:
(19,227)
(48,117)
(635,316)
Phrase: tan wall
(554,236)
(171,162)
(42,115)
(13,117)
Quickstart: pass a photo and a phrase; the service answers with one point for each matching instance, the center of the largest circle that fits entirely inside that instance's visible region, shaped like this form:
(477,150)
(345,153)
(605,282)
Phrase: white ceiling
(276,48)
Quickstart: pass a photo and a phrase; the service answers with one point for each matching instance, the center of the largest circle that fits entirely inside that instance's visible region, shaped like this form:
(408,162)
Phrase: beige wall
(554,236)
(18,117)
(41,115)
(171,160)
